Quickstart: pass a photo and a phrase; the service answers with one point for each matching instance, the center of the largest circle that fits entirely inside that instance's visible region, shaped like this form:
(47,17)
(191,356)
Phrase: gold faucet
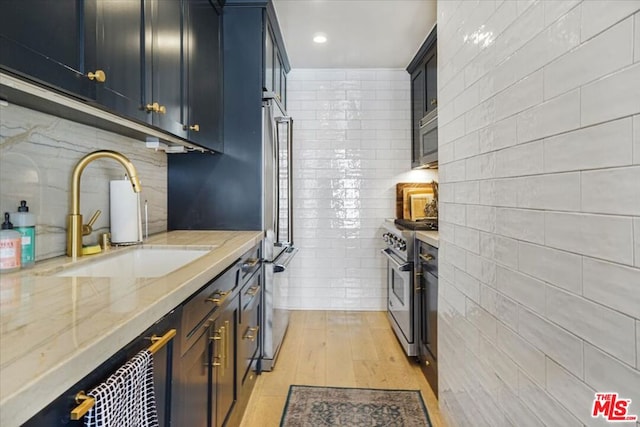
(75,228)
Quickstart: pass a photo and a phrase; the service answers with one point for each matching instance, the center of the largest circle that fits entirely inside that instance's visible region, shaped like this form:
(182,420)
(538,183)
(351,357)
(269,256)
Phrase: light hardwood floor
(336,348)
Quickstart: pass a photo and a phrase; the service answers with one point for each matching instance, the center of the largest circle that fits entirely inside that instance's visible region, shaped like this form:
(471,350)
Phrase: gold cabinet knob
(99,76)
(195,128)
(156,108)
(434,101)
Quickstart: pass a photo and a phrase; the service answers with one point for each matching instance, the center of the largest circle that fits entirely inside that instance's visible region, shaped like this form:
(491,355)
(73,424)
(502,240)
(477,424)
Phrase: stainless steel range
(401,304)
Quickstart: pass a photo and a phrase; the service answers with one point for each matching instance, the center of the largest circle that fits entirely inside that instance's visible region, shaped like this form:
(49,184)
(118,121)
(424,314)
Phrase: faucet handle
(88,228)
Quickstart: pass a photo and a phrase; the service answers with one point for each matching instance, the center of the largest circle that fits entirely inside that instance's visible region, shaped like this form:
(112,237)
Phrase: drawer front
(250,262)
(428,258)
(250,325)
(202,305)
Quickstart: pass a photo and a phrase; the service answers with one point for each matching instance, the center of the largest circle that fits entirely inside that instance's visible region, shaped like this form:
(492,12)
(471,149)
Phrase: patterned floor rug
(309,406)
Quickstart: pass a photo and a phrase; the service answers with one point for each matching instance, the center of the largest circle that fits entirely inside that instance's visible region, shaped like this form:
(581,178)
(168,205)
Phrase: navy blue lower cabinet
(58,413)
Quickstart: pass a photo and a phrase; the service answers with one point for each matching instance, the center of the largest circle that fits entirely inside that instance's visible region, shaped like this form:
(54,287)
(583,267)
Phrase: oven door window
(398,285)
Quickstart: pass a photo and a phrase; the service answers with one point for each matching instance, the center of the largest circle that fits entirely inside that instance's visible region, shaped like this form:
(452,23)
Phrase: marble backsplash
(37,154)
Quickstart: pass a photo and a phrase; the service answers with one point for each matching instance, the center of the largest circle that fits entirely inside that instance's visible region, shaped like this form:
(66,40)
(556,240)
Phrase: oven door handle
(407,266)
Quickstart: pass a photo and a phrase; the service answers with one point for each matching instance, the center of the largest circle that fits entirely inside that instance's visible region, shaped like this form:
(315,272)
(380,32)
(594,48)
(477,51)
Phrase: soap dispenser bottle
(10,246)
(25,224)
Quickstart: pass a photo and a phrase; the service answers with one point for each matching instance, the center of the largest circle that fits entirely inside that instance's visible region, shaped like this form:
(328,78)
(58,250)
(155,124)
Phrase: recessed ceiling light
(320,38)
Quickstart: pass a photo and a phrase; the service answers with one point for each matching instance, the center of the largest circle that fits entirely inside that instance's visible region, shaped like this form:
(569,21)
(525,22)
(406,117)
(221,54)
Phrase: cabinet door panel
(224,352)
(418,101)
(204,74)
(118,52)
(45,40)
(193,398)
(431,87)
(268,60)
(166,65)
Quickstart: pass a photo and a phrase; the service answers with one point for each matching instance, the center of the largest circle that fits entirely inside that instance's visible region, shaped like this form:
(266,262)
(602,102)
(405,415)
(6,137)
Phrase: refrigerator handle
(276,159)
(290,177)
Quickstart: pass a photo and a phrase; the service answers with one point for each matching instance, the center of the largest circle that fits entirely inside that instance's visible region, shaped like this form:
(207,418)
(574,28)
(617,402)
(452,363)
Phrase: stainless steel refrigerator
(279,251)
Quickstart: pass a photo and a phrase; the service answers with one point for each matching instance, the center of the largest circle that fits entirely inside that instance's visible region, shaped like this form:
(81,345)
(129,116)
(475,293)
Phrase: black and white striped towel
(126,398)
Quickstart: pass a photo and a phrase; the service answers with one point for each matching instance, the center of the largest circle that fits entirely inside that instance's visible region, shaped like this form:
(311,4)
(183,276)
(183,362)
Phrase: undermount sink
(138,262)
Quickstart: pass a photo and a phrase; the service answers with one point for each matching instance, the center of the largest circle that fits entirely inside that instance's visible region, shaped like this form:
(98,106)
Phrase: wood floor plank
(343,349)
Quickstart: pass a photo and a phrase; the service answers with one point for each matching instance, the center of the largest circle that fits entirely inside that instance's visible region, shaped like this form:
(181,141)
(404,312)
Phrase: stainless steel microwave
(429,139)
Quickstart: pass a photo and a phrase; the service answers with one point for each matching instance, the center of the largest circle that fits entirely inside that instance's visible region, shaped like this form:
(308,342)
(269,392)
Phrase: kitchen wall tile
(612,191)
(352,146)
(530,360)
(523,289)
(555,9)
(596,324)
(603,372)
(467,238)
(620,92)
(636,135)
(507,311)
(466,146)
(482,320)
(506,251)
(516,411)
(578,67)
(501,134)
(481,268)
(554,41)
(454,213)
(636,241)
(560,345)
(520,160)
(521,224)
(553,192)
(560,268)
(530,23)
(552,117)
(480,217)
(636,39)
(574,394)
(468,285)
(543,405)
(524,188)
(598,16)
(613,285)
(605,145)
(600,236)
(524,94)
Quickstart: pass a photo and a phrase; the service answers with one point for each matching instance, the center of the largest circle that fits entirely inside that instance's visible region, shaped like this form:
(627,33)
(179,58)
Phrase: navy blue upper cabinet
(424,98)
(114,46)
(203,72)
(157,62)
(163,92)
(275,70)
(44,40)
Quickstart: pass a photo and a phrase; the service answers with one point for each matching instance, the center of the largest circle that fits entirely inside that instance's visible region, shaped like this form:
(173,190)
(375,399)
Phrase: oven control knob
(403,247)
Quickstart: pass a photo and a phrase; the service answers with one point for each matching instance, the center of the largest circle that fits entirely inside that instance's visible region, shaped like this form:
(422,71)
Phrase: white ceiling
(361,33)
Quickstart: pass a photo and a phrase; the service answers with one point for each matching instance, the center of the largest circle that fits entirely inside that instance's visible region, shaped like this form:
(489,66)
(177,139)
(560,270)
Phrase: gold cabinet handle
(218,337)
(220,298)
(99,76)
(252,291)
(251,334)
(427,363)
(156,108)
(195,128)
(84,404)
(227,346)
(427,257)
(434,101)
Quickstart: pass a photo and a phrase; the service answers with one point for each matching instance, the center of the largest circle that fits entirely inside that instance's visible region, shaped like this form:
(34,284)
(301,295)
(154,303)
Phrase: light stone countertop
(430,237)
(56,330)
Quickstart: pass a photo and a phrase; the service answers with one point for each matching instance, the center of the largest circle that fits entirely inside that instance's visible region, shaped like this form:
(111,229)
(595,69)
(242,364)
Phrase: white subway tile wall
(352,144)
(539,103)
(37,154)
